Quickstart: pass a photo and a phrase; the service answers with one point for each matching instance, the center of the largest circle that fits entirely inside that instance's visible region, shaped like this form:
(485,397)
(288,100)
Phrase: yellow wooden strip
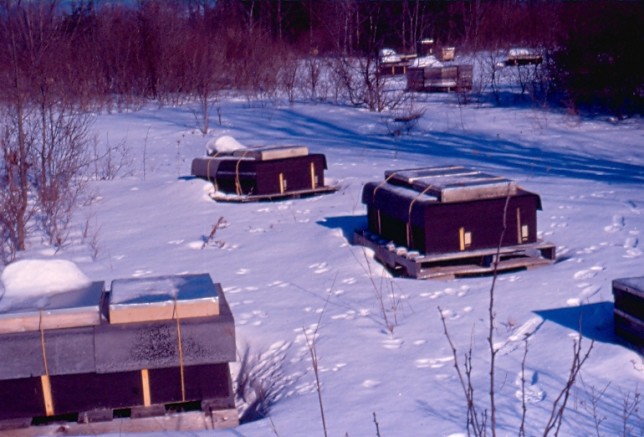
(145,380)
(461,238)
(46,394)
(312,176)
(519,238)
(281,176)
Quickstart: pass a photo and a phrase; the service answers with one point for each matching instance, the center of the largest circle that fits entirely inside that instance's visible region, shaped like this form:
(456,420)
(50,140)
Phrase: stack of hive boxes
(135,349)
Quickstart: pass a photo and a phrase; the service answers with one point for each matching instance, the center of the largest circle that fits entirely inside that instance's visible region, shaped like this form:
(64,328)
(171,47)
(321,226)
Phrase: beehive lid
(271,153)
(634,285)
(66,309)
(163,298)
(453,183)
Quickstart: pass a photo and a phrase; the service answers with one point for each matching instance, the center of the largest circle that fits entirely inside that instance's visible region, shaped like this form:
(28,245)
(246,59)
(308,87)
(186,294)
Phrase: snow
(223,144)
(426,61)
(33,277)
(290,273)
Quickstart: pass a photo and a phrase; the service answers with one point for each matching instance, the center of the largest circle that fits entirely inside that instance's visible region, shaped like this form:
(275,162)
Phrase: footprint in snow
(631,243)
(531,391)
(195,245)
(349,315)
(175,242)
(349,281)
(392,343)
(370,383)
(590,290)
(433,363)
(603,194)
(319,267)
(139,273)
(451,315)
(616,225)
(432,294)
(588,273)
(242,272)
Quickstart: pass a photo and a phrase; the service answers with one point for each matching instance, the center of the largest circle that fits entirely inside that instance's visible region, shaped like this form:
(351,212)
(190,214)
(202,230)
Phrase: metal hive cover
(453,183)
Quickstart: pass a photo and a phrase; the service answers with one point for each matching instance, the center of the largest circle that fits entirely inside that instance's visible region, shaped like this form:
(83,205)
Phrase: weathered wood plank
(186,421)
(271,153)
(232,198)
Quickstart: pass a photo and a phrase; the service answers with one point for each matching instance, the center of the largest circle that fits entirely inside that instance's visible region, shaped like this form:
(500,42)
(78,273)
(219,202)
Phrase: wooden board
(55,311)
(412,264)
(453,183)
(187,421)
(163,298)
(232,198)
(271,153)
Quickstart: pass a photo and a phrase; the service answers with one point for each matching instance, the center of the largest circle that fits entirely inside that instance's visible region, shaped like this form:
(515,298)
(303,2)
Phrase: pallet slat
(186,421)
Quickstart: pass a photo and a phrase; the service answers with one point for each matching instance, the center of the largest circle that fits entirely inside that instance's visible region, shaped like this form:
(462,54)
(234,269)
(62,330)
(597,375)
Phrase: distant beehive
(448,209)
(629,310)
(264,172)
(145,344)
(457,78)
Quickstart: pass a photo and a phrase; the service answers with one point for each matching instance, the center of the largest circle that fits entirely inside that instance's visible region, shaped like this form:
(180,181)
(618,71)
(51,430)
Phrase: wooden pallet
(451,265)
(156,418)
(232,198)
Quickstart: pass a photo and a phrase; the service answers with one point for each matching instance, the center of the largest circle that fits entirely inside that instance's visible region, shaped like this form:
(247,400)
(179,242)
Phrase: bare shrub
(260,381)
(482,419)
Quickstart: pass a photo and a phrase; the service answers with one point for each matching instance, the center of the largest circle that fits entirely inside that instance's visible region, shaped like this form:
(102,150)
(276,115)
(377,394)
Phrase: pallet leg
(549,252)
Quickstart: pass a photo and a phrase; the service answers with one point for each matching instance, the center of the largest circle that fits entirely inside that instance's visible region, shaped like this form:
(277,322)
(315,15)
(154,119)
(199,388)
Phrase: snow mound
(223,144)
(28,278)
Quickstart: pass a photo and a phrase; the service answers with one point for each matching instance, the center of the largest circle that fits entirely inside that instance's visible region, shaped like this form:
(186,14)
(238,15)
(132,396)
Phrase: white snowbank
(27,278)
(224,143)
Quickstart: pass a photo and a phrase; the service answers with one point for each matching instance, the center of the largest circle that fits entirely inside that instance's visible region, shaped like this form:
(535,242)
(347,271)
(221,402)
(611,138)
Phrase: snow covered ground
(290,272)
